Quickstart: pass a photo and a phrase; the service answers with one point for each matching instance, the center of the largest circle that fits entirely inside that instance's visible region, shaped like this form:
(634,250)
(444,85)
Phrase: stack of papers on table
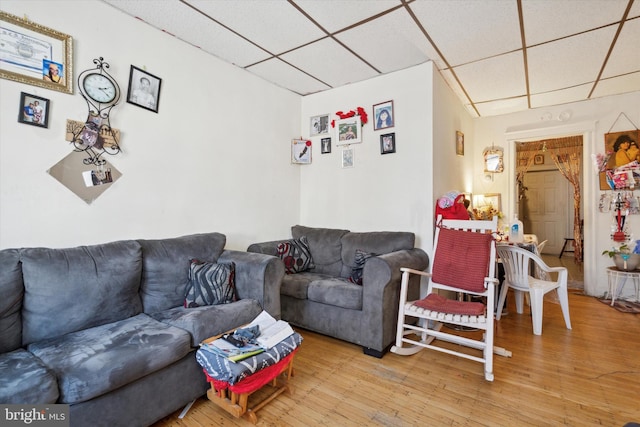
(272,332)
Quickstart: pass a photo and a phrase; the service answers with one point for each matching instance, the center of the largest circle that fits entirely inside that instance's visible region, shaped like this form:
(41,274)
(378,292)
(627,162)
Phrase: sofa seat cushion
(325,245)
(25,380)
(207,321)
(94,361)
(69,290)
(337,292)
(166,264)
(378,242)
(12,291)
(296,285)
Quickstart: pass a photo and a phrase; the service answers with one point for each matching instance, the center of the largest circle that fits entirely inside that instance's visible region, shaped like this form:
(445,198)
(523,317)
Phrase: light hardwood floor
(588,376)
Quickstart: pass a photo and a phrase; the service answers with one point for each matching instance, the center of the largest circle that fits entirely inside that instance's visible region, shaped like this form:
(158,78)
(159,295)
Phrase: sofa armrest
(381,292)
(259,277)
(267,248)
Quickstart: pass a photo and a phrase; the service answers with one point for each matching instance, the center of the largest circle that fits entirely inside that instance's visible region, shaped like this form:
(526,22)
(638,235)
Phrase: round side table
(617,280)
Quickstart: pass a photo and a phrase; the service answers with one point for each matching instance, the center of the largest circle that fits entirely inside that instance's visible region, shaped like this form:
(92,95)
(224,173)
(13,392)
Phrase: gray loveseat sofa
(324,300)
(103,328)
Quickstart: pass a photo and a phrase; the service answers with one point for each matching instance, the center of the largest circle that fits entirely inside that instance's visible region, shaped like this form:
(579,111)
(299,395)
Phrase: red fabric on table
(435,302)
(255,381)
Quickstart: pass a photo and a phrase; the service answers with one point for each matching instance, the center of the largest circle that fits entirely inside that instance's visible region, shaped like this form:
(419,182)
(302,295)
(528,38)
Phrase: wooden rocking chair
(463,261)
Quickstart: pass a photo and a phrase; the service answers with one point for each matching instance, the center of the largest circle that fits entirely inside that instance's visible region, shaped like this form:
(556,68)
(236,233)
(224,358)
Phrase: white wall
(381,192)
(592,119)
(391,191)
(215,158)
(450,171)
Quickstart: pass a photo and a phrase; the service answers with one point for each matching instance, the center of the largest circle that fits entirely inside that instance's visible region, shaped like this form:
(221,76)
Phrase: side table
(618,278)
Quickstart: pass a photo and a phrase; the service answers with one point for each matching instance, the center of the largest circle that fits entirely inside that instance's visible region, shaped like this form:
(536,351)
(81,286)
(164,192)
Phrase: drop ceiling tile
(194,28)
(339,14)
(568,62)
(494,78)
(389,43)
(286,76)
(468,30)
(274,25)
(503,106)
(563,96)
(544,21)
(330,62)
(618,85)
(454,85)
(625,57)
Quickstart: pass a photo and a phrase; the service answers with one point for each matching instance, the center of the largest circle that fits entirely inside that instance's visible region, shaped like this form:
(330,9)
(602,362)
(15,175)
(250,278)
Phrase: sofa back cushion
(376,242)
(166,264)
(68,290)
(11,293)
(325,245)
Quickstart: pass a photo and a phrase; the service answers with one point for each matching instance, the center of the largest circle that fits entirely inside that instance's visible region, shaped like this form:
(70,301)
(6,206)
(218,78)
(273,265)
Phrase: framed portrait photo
(144,89)
(319,125)
(347,157)
(34,110)
(43,56)
(459,143)
(388,143)
(383,115)
(325,145)
(348,131)
(301,151)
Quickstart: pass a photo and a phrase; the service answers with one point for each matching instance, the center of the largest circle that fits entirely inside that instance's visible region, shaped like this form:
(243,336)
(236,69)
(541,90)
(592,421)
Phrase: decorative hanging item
(352,113)
(622,157)
(619,234)
(96,136)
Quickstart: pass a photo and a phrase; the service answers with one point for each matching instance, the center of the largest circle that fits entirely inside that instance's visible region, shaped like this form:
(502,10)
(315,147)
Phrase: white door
(547,208)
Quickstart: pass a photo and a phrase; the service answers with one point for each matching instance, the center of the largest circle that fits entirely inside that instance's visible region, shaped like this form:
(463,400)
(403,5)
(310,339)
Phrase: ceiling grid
(498,56)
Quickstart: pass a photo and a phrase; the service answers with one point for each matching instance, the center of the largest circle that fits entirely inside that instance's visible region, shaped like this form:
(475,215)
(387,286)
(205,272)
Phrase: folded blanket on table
(221,369)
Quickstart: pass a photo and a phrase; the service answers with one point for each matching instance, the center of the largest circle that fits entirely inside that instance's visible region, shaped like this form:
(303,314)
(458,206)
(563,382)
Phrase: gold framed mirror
(493,160)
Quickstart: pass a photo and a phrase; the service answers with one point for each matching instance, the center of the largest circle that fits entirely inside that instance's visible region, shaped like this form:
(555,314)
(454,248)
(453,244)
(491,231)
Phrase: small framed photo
(459,143)
(388,143)
(319,125)
(144,89)
(538,159)
(348,131)
(301,151)
(325,145)
(383,115)
(347,157)
(34,110)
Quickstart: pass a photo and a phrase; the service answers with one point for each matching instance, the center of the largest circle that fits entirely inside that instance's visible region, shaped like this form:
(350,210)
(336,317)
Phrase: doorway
(544,207)
(549,185)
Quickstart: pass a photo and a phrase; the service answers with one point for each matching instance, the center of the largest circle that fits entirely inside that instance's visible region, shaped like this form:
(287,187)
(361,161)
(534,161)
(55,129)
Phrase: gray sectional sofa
(323,299)
(103,328)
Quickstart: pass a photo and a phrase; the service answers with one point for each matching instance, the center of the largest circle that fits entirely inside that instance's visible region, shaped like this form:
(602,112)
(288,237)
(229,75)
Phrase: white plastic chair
(454,256)
(540,246)
(541,274)
(516,262)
